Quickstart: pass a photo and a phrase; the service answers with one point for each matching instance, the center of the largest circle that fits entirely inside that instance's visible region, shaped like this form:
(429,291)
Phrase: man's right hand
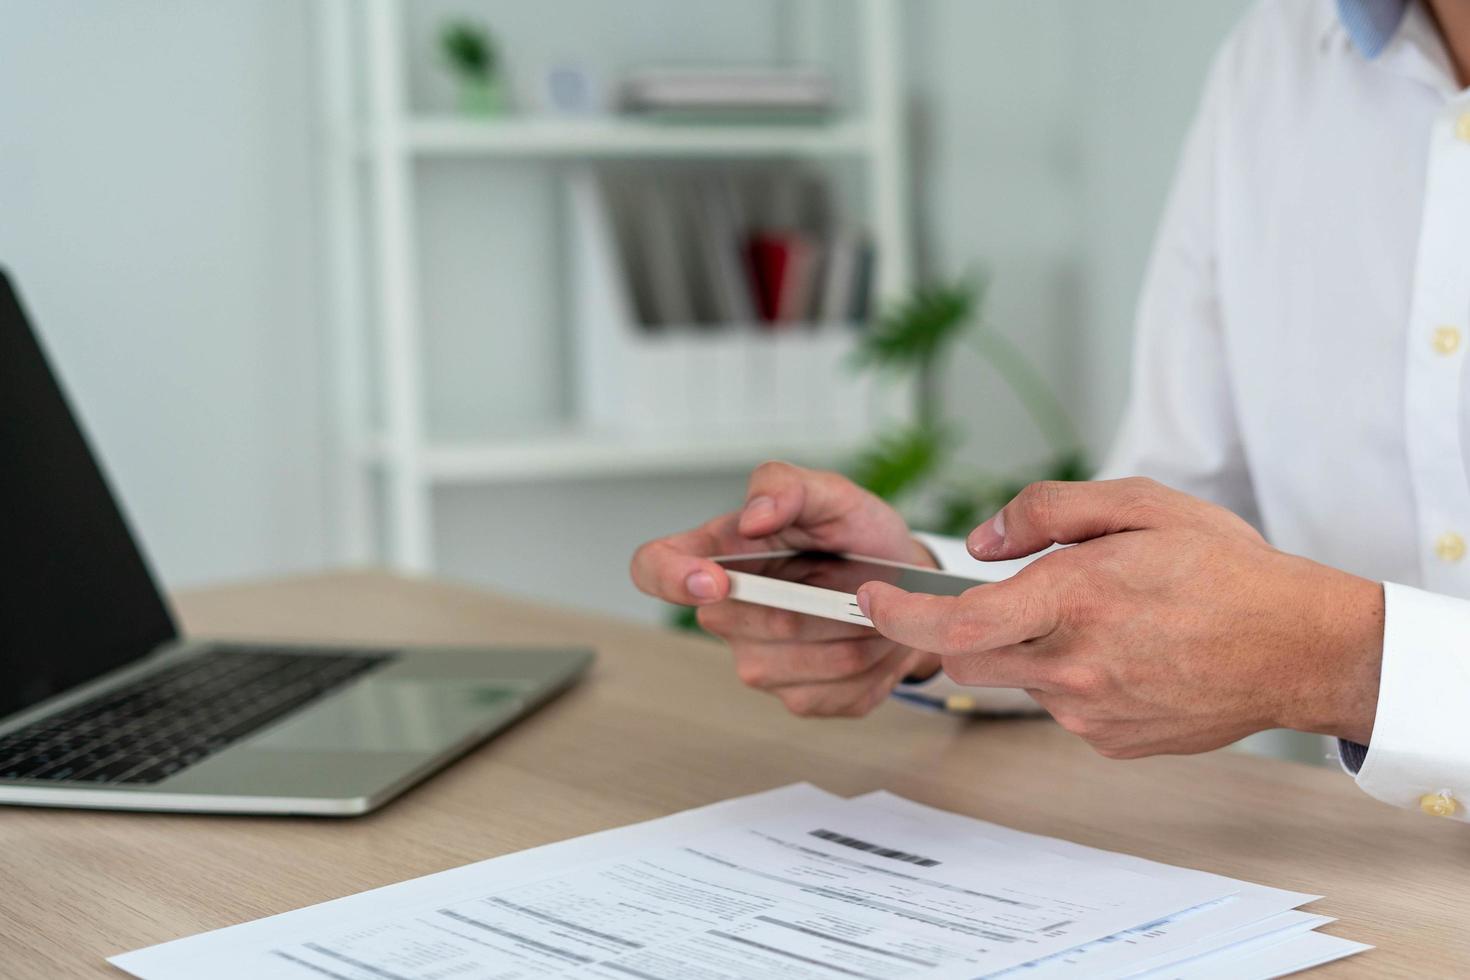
(815,666)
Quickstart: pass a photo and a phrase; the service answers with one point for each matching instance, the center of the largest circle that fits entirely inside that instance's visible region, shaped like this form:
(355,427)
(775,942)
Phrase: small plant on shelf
(913,466)
(471,56)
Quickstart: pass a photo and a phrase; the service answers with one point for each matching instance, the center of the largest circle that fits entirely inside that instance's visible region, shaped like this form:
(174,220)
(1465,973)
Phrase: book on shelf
(834,302)
(669,286)
(860,298)
(674,333)
(785,267)
(718,233)
(735,248)
(767,256)
(746,94)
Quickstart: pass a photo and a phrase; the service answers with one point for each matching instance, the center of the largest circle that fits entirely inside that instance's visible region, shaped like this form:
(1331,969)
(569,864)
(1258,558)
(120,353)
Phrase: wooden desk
(661,725)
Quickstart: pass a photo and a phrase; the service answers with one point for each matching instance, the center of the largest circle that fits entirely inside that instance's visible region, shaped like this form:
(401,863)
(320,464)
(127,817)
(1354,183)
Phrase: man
(1300,367)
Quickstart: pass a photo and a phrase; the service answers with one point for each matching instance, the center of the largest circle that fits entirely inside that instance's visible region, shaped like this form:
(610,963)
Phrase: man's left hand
(1170,626)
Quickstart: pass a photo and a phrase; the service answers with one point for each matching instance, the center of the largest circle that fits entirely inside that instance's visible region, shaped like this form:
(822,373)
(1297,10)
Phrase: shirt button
(1446,340)
(1462,127)
(1440,804)
(1449,546)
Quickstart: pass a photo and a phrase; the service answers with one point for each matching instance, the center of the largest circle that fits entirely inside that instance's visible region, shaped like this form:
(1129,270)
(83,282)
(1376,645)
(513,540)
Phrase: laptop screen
(76,597)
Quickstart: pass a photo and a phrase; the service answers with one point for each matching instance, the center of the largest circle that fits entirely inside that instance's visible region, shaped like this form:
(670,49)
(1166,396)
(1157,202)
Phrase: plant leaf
(917,328)
(958,515)
(468,49)
(960,508)
(899,460)
(684,618)
(1069,466)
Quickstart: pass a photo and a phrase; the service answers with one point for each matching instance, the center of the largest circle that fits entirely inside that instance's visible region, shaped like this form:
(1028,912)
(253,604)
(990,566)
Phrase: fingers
(811,681)
(985,618)
(1054,512)
(780,495)
(677,569)
(847,699)
(771,666)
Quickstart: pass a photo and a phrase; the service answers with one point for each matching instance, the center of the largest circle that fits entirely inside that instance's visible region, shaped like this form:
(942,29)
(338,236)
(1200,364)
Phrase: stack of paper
(794,884)
(726,94)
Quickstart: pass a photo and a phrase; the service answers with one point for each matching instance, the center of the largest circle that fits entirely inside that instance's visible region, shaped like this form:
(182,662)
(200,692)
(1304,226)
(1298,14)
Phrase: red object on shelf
(770,256)
(782,267)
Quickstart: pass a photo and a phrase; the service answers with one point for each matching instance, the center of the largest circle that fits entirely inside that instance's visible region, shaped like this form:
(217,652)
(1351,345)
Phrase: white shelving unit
(373,141)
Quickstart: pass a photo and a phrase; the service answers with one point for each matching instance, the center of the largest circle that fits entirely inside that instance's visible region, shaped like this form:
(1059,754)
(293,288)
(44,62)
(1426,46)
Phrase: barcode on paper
(862,845)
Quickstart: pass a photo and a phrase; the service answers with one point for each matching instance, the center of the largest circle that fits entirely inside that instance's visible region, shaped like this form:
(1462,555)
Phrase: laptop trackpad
(395,715)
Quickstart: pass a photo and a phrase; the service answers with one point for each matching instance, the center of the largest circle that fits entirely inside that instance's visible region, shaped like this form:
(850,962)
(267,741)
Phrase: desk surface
(661,725)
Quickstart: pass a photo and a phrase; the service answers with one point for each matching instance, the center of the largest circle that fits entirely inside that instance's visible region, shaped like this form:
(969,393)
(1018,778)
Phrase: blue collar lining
(1371,24)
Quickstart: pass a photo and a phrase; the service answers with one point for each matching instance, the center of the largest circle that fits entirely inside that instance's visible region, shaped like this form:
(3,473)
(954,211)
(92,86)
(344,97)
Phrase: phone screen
(829,571)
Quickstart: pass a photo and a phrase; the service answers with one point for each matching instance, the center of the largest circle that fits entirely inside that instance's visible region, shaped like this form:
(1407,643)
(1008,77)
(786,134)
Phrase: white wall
(157,203)
(1141,75)
(156,208)
(1048,134)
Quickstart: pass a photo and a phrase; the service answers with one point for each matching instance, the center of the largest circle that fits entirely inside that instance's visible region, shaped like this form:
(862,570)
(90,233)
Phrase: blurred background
(496,290)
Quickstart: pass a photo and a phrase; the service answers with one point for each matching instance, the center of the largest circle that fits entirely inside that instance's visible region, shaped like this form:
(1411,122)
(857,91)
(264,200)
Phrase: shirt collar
(1371,24)
(1398,35)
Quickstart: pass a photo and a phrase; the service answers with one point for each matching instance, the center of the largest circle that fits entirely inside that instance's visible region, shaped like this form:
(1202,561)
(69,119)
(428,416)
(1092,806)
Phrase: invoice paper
(1253,909)
(795,883)
(1265,959)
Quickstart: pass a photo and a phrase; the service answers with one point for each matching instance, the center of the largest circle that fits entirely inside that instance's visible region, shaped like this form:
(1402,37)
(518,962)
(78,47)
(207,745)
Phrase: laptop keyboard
(160,724)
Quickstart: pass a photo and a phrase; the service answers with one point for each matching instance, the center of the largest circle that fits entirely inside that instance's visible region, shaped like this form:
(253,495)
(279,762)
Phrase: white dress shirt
(1301,345)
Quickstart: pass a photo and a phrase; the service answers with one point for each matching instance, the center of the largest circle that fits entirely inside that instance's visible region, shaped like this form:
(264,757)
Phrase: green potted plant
(471,56)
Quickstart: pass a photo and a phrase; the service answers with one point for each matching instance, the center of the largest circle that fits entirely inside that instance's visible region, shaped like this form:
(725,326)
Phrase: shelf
(611,137)
(588,455)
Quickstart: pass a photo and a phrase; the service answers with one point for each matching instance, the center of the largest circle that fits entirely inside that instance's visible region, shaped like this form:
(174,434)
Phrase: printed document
(794,884)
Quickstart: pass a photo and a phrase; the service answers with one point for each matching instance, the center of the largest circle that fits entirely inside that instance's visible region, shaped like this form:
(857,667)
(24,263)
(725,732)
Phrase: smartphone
(820,583)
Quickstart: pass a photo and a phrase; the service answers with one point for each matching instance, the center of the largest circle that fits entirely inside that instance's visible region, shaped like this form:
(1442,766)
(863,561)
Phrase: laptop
(104,704)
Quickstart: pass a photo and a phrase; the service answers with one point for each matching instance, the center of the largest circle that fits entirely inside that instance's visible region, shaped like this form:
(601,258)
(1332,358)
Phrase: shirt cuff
(1420,751)
(1351,755)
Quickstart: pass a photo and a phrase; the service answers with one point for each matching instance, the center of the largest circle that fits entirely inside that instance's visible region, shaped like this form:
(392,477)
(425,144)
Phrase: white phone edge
(796,597)
(809,599)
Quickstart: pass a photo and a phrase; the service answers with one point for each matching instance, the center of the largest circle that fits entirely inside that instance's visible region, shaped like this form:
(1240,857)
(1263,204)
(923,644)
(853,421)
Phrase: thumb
(780,495)
(989,616)
(1055,512)
(914,619)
